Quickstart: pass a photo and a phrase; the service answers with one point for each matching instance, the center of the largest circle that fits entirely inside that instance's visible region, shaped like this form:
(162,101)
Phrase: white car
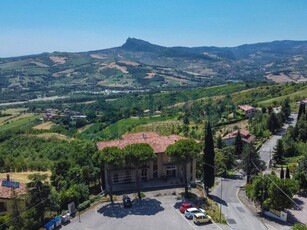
(191,211)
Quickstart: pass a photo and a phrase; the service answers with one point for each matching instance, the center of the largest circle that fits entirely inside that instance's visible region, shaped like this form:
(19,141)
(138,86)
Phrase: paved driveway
(156,213)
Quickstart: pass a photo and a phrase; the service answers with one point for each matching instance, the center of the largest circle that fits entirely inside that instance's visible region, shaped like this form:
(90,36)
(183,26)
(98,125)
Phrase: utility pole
(221,198)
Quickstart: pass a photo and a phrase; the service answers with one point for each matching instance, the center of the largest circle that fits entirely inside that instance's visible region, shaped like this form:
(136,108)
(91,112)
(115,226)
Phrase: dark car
(127,201)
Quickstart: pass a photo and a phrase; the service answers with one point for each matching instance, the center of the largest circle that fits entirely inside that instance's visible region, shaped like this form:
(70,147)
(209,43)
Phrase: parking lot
(150,214)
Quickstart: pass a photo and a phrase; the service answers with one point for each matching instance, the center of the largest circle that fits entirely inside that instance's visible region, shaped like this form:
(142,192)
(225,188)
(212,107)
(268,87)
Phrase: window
(3,207)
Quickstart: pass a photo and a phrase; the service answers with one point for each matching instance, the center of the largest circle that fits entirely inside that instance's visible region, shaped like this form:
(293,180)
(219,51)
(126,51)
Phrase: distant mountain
(138,64)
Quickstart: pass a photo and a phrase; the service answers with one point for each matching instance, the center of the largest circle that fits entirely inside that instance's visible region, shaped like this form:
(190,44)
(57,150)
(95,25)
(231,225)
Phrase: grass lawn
(80,130)
(14,110)
(57,136)
(23,176)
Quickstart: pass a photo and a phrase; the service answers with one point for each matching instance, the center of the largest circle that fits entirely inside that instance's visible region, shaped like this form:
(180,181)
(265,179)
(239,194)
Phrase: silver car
(191,211)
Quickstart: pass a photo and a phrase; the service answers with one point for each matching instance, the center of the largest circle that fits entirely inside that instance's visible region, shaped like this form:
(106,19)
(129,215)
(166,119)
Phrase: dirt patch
(129,63)
(269,65)
(58,60)
(44,126)
(39,64)
(113,65)
(297,58)
(279,78)
(66,72)
(150,75)
(98,56)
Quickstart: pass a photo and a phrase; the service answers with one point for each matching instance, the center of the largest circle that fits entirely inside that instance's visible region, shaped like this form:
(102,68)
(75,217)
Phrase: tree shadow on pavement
(218,200)
(139,207)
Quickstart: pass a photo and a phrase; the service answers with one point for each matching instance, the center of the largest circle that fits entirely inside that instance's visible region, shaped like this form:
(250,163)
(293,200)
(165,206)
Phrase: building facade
(156,172)
(248,110)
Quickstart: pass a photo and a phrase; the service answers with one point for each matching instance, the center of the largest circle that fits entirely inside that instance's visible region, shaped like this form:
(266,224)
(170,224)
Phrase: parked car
(189,213)
(200,218)
(127,201)
(185,206)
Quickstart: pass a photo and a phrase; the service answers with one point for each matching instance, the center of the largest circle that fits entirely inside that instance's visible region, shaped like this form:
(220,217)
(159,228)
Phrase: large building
(155,172)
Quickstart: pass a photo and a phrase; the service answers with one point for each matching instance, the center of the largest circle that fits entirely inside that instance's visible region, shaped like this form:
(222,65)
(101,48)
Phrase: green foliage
(84,205)
(182,152)
(298,226)
(273,123)
(38,192)
(270,191)
(251,163)
(279,201)
(137,155)
(113,158)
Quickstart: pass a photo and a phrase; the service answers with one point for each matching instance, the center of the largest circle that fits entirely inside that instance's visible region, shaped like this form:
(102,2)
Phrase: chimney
(8,177)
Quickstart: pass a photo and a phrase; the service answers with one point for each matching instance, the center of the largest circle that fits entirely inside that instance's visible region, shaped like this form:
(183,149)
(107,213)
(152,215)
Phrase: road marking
(189,222)
(182,216)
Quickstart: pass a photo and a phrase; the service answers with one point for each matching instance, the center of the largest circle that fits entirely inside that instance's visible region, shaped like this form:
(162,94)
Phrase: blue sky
(36,26)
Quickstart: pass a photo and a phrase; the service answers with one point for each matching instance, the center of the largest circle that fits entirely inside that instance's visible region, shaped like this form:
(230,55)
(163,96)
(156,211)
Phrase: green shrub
(299,227)
(84,205)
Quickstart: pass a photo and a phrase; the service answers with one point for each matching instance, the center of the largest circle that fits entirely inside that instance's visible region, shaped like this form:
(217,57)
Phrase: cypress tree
(287,173)
(238,144)
(282,173)
(285,107)
(208,159)
(301,110)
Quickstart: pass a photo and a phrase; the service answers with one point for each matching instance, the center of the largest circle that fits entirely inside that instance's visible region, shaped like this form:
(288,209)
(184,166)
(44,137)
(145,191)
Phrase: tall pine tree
(278,151)
(238,144)
(208,159)
(285,107)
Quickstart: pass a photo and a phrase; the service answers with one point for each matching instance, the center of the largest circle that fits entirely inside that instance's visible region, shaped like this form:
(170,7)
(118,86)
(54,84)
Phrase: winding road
(266,150)
(237,215)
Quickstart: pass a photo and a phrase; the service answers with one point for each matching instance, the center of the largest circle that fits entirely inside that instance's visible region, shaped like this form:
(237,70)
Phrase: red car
(185,206)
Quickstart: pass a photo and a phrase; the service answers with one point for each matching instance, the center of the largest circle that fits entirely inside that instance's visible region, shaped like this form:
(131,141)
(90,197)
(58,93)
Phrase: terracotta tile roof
(245,107)
(246,136)
(6,192)
(157,142)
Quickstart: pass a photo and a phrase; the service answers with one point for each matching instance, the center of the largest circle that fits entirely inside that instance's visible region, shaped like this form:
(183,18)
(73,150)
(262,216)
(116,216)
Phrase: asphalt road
(150,213)
(237,215)
(266,151)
